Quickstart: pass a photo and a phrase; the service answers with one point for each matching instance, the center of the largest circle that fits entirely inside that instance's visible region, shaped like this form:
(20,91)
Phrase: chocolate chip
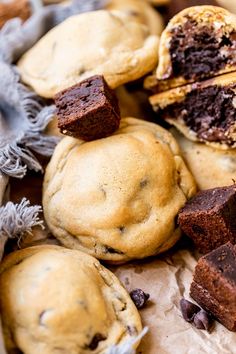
(98,337)
(202,320)
(188,309)
(139,297)
(143,183)
(122,229)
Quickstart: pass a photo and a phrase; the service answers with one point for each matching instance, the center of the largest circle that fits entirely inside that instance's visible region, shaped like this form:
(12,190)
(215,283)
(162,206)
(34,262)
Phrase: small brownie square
(88,110)
(214,284)
(209,218)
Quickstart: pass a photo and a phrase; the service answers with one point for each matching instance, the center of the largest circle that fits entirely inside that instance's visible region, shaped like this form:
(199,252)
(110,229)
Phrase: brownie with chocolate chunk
(88,110)
(208,112)
(209,219)
(214,284)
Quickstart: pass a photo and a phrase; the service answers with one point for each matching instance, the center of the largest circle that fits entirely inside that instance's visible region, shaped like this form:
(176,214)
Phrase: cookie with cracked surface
(203,111)
(57,300)
(210,167)
(140,11)
(88,44)
(198,43)
(117,198)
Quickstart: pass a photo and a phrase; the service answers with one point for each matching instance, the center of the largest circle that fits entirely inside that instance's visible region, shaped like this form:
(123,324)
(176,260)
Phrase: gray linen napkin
(24,115)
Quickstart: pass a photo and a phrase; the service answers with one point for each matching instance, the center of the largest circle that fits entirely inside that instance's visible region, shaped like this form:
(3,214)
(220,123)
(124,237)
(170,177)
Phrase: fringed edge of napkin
(16,220)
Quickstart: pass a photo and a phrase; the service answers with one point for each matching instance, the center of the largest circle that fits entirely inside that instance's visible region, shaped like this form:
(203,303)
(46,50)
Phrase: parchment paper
(166,278)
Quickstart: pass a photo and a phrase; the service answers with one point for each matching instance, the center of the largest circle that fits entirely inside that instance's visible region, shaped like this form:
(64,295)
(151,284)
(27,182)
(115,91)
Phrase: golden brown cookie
(203,111)
(99,42)
(210,167)
(199,42)
(117,198)
(54,300)
(140,11)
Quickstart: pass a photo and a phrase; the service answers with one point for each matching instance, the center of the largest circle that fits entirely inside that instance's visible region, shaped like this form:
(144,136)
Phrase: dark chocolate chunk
(139,297)
(98,337)
(188,310)
(88,110)
(196,51)
(209,112)
(202,320)
(209,218)
(214,284)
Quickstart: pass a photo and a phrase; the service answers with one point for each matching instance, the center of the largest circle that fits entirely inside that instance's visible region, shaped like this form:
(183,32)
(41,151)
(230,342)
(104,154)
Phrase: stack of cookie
(194,90)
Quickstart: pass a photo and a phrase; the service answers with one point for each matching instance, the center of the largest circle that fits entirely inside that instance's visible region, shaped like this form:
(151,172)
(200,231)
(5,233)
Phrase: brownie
(196,52)
(15,8)
(209,218)
(207,111)
(214,284)
(88,110)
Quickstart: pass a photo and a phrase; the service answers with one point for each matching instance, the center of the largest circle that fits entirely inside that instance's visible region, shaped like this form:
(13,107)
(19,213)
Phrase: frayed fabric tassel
(16,220)
(24,115)
(127,347)
(23,118)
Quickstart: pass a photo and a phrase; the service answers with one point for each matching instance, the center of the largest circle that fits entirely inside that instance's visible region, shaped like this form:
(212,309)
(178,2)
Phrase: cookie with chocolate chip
(117,198)
(57,300)
(108,43)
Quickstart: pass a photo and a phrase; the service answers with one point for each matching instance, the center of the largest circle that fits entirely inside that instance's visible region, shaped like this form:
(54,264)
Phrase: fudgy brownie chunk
(210,218)
(209,112)
(88,110)
(196,51)
(214,284)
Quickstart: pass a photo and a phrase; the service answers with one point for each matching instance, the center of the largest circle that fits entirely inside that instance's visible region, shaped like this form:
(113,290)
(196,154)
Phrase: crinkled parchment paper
(166,278)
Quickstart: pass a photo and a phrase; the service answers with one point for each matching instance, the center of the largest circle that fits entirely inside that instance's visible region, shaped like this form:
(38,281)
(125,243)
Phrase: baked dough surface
(59,301)
(110,43)
(117,198)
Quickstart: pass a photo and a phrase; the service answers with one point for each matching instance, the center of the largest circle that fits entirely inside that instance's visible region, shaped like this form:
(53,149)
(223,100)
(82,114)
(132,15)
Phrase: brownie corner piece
(209,218)
(88,110)
(214,284)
